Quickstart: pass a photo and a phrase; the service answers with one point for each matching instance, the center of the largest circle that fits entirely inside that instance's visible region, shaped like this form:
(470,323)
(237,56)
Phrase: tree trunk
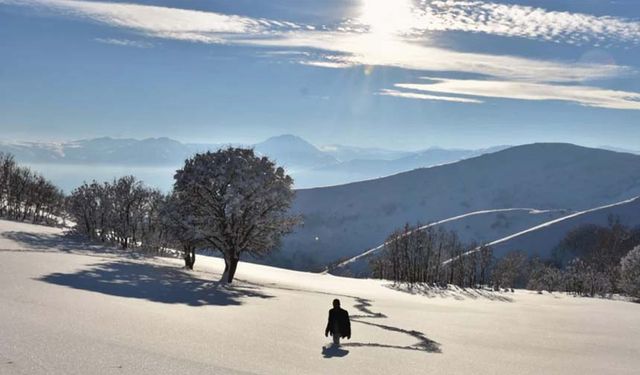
(189,257)
(226,270)
(233,265)
(193,257)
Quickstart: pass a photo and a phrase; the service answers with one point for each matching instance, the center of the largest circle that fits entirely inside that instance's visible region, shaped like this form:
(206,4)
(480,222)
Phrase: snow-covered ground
(70,308)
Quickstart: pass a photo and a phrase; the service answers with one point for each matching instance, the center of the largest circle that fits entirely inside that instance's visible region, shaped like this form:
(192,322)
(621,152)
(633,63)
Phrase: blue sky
(390,73)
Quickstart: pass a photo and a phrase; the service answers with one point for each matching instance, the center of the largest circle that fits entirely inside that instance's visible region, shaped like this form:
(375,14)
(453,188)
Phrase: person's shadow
(333,350)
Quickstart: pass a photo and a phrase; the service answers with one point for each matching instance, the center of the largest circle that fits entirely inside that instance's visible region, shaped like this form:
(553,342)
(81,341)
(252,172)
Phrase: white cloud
(372,49)
(414,95)
(584,95)
(414,18)
(124,42)
(326,64)
(163,22)
(373,39)
(382,47)
(521,21)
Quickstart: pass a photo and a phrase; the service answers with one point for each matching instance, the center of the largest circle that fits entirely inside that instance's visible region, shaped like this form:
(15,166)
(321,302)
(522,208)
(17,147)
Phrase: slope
(473,226)
(343,221)
(70,309)
(542,239)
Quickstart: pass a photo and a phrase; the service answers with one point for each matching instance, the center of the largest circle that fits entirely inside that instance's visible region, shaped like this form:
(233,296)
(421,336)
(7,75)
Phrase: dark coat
(339,318)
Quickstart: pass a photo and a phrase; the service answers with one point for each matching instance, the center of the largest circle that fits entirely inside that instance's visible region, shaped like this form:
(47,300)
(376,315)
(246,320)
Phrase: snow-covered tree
(544,277)
(582,278)
(123,211)
(180,224)
(83,208)
(27,195)
(129,201)
(509,270)
(240,202)
(630,273)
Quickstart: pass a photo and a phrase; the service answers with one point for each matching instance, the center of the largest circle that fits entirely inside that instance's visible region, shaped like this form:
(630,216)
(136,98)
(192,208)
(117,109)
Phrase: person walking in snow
(338,325)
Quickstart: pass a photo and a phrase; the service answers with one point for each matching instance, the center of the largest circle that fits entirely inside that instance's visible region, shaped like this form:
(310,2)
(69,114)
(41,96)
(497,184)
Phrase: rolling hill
(343,221)
(542,239)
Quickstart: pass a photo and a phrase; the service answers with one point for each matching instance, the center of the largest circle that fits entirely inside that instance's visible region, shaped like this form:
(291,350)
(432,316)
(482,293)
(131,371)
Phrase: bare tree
(486,258)
(415,255)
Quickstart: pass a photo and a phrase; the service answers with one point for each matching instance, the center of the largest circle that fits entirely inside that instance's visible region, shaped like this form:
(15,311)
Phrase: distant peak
(286,137)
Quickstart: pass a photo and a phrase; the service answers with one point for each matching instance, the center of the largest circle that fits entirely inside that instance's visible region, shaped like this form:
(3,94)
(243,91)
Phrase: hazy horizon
(321,146)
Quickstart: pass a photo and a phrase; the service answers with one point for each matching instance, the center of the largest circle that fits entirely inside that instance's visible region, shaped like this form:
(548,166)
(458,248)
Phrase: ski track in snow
(544,225)
(423,227)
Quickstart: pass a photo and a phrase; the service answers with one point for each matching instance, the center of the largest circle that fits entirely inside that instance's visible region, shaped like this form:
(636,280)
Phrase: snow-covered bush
(630,273)
(510,270)
(582,278)
(545,277)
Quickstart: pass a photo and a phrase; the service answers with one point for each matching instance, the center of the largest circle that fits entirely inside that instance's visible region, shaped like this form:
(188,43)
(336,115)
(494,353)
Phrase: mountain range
(310,166)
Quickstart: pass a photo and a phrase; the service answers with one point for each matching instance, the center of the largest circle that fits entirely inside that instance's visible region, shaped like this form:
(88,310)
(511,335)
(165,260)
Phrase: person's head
(336,303)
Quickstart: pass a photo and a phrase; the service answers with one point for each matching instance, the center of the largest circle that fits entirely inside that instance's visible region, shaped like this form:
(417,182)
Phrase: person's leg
(336,335)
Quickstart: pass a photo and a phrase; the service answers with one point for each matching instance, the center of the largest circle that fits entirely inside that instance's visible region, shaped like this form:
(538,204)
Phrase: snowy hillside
(343,221)
(366,169)
(480,226)
(538,239)
(348,153)
(543,238)
(70,308)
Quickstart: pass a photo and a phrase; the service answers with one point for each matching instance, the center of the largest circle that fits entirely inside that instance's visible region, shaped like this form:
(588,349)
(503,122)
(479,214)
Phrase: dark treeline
(26,195)
(591,260)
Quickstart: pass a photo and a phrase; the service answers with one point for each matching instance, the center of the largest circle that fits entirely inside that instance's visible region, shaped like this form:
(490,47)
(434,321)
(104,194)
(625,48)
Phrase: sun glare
(387,17)
(387,21)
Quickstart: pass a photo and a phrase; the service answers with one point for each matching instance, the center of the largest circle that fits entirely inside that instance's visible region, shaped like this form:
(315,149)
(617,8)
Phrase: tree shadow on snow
(68,242)
(154,283)
(454,292)
(332,351)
